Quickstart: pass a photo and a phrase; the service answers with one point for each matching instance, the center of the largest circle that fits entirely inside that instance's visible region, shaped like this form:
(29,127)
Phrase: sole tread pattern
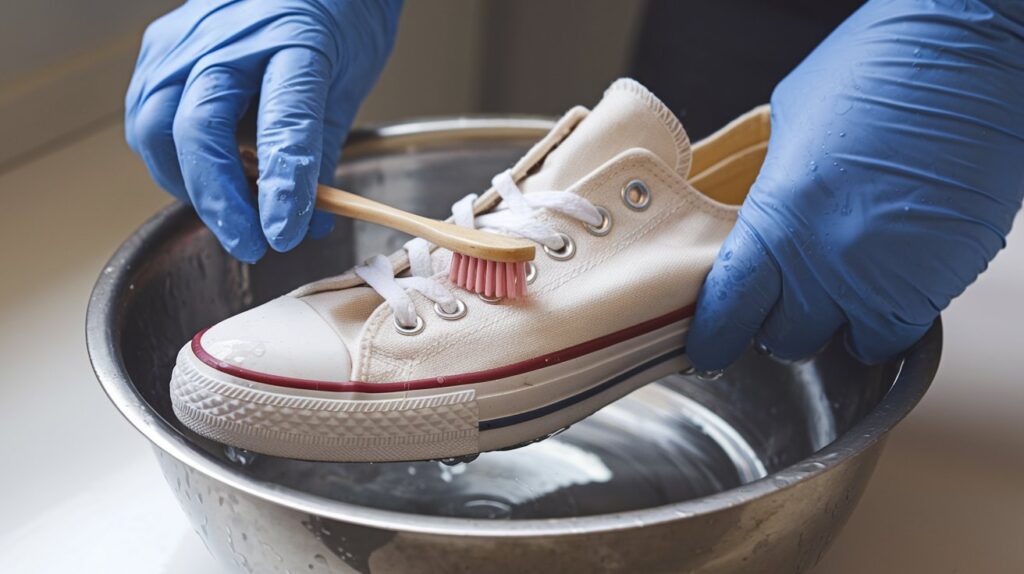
(323,428)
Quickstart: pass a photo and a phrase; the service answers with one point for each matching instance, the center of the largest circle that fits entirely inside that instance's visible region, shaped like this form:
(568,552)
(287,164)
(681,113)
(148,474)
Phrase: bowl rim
(912,380)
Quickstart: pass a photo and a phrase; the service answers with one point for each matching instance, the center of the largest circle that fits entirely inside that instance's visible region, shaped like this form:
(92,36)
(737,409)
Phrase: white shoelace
(516,215)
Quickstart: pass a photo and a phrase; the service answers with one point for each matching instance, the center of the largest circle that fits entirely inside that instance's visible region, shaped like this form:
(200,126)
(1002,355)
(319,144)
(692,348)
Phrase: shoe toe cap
(283,338)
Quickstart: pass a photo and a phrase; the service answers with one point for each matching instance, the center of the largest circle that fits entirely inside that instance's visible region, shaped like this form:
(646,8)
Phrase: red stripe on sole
(526,366)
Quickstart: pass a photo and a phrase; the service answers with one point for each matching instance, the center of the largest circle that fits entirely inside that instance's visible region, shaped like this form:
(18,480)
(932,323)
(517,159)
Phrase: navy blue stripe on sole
(569,401)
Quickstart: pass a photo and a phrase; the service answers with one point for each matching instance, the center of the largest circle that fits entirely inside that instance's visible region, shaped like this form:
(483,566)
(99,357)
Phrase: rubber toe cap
(285,338)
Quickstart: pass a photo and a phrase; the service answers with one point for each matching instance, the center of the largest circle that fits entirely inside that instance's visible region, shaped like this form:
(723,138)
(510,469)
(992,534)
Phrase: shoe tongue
(628,116)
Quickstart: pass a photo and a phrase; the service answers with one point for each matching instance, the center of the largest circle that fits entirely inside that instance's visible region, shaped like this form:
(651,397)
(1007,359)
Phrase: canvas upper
(651,263)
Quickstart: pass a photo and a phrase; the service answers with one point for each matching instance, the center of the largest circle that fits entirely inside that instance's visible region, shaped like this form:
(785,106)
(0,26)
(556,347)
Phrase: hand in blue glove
(308,62)
(894,170)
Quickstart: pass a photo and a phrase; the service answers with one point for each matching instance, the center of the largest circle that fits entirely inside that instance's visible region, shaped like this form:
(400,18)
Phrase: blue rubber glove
(308,63)
(894,170)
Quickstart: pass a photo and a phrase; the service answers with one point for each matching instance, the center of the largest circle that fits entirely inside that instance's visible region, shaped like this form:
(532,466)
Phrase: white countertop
(81,491)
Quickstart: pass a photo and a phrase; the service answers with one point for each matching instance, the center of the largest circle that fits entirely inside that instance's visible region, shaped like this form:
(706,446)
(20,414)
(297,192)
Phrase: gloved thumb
(737,295)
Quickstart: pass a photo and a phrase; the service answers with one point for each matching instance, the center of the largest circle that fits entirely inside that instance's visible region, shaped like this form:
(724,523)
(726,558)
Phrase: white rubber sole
(425,424)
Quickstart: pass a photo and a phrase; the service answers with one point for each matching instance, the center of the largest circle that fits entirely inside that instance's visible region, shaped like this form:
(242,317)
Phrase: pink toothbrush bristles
(489,278)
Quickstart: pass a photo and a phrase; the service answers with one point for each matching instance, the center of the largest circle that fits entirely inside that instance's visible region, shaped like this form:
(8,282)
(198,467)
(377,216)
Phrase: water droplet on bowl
(240,456)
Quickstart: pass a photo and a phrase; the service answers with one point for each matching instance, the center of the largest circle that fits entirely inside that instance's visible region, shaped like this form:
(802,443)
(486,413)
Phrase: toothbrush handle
(472,242)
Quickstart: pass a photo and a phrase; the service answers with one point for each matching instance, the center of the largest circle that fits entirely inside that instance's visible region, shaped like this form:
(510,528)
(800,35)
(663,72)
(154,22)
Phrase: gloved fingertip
(723,324)
(250,252)
(321,225)
(238,232)
(287,193)
(150,134)
(707,354)
(737,295)
(284,237)
(244,243)
(165,172)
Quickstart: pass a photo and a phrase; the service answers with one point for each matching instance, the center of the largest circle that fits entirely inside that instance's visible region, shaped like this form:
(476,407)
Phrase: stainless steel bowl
(754,472)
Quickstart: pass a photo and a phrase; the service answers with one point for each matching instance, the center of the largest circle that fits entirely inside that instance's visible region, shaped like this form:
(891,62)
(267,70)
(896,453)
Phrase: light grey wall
(38,34)
(544,57)
(64,64)
(436,66)
(527,56)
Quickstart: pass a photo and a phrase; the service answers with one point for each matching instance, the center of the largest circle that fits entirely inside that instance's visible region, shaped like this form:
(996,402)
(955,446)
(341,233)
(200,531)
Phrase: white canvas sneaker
(392,361)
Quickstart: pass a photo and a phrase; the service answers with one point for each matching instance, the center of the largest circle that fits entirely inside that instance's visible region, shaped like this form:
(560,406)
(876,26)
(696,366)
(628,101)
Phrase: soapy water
(654,448)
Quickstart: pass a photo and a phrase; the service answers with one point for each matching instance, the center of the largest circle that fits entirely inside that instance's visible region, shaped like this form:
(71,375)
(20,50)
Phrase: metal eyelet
(636,195)
(414,330)
(489,300)
(458,313)
(606,223)
(566,252)
(531,272)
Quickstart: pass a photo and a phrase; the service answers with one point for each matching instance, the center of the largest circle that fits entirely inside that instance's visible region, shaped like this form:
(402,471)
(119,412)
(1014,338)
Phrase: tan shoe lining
(726,163)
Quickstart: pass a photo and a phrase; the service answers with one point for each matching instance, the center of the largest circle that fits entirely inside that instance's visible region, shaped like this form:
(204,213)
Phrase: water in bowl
(656,447)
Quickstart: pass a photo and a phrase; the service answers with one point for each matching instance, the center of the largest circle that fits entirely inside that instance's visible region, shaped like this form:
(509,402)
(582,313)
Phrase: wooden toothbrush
(486,263)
